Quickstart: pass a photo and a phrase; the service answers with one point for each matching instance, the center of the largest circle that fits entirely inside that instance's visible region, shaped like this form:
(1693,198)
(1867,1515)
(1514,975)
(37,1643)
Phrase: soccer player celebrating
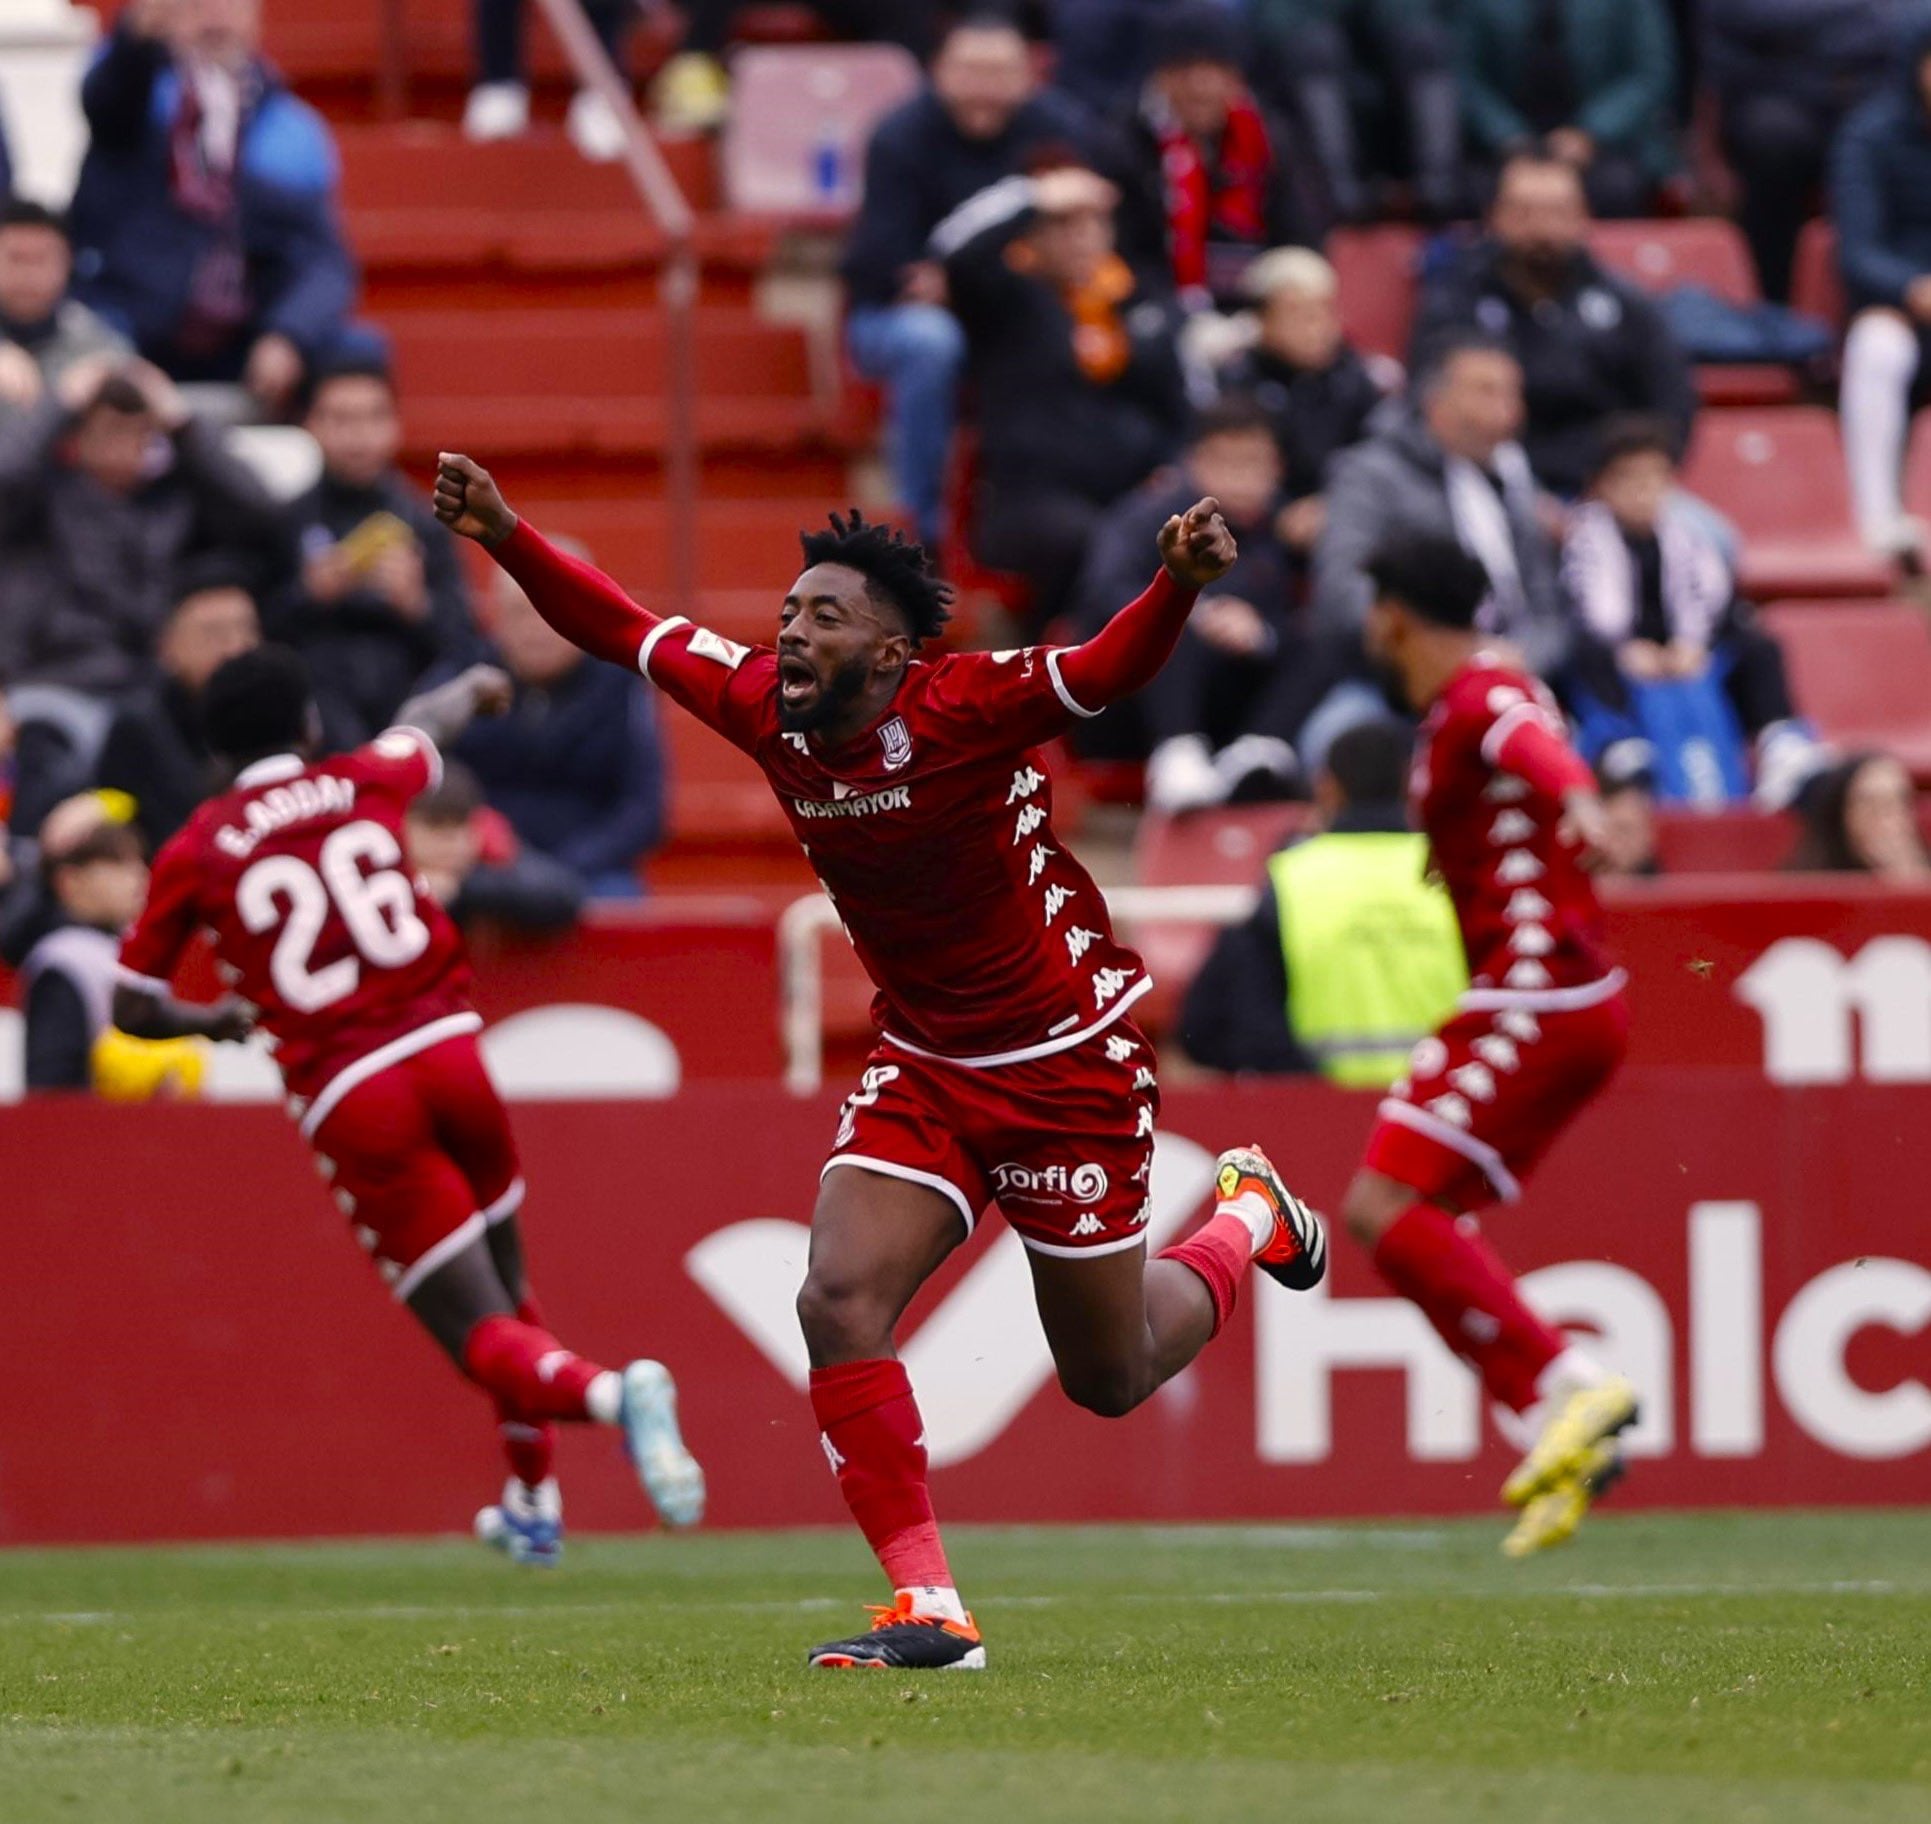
(299,872)
(1008,1067)
(1513,821)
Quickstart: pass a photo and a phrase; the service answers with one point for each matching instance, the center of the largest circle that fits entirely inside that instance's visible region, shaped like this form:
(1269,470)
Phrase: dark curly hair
(895,568)
(257,703)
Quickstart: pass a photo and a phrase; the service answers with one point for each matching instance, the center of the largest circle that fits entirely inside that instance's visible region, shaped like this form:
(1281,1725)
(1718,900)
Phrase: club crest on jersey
(896,739)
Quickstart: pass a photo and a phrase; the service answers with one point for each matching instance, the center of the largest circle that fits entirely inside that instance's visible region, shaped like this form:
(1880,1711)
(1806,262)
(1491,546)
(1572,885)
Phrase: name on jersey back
(282,805)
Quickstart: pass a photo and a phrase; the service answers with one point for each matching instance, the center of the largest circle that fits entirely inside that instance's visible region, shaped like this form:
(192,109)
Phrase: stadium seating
(1778,473)
(1376,268)
(1816,286)
(793,106)
(1862,672)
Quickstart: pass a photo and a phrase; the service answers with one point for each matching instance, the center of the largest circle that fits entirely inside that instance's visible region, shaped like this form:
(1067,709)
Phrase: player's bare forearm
(443,713)
(1196,549)
(142,1013)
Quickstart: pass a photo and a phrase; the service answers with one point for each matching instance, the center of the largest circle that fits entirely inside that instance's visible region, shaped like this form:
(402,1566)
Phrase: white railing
(804,924)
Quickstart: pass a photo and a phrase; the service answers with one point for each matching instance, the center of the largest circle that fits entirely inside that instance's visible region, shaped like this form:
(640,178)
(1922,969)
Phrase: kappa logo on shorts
(1089,1224)
(1080,1183)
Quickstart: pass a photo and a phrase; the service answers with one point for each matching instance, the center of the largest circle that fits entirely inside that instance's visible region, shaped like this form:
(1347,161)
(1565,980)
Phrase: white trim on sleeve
(132,978)
(1546,1000)
(430,751)
(887,1168)
(1059,686)
(505,1206)
(1506,724)
(653,636)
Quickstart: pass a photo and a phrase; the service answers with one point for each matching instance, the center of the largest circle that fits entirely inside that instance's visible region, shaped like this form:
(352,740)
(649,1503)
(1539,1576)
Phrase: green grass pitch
(1716,1667)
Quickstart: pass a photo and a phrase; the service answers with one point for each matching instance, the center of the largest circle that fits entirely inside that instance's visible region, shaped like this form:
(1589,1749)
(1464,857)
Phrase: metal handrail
(677,287)
(668,208)
(801,964)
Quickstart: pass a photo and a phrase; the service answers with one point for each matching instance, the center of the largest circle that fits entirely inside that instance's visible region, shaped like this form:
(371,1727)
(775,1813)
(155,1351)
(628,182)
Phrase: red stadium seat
(1377,272)
(789,105)
(1214,848)
(1779,474)
(1697,250)
(1815,285)
(1862,672)
(1917,468)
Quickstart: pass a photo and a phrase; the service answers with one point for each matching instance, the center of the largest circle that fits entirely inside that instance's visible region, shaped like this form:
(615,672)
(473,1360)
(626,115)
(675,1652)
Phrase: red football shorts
(1063,1144)
(422,1160)
(1487,1095)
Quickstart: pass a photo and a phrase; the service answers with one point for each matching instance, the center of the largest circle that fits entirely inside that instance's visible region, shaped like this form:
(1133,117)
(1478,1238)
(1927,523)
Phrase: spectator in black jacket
(1208,179)
(1589,343)
(1222,716)
(1079,388)
(381,598)
(43,331)
(205,216)
(980,119)
(1881,199)
(1317,391)
(1785,73)
(106,488)
(576,764)
(155,751)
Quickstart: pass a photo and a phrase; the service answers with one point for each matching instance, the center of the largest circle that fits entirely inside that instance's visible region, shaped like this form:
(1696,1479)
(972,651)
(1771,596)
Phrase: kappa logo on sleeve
(704,644)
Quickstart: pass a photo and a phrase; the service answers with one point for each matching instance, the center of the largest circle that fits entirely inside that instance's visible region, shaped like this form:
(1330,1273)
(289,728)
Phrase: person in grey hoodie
(1881,199)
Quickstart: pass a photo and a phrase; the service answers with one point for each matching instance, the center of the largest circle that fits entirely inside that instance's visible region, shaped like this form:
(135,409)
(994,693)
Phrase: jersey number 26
(378,906)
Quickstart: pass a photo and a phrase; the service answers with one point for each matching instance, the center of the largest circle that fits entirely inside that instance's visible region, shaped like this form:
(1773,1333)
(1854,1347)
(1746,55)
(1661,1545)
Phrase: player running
(1008,1068)
(1512,820)
(299,872)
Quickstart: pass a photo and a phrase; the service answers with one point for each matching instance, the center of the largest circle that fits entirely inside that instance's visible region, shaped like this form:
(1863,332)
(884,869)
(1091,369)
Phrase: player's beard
(842,689)
(1393,687)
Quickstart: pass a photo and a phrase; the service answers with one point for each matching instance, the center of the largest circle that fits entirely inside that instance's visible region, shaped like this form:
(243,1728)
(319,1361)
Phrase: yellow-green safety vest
(1374,956)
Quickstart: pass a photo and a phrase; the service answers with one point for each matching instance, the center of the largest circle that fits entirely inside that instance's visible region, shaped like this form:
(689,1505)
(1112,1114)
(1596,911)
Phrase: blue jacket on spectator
(140,255)
(577,768)
(1881,185)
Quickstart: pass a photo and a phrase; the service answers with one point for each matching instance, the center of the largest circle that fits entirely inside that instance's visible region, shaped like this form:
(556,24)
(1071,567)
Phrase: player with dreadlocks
(1008,1068)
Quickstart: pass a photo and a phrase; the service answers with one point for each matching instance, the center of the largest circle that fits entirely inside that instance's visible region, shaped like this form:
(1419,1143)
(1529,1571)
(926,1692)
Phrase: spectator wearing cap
(1450,466)
(1593,80)
(477,869)
(1374,81)
(381,598)
(94,877)
(1208,179)
(1221,717)
(1589,343)
(43,331)
(1861,817)
(1318,392)
(1881,201)
(205,219)
(980,118)
(1352,955)
(1653,583)
(1784,74)
(107,488)
(155,751)
(576,765)
(1079,389)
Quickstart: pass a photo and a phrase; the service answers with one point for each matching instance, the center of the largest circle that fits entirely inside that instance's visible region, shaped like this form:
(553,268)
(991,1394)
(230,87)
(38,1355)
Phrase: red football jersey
(1531,923)
(932,833)
(300,876)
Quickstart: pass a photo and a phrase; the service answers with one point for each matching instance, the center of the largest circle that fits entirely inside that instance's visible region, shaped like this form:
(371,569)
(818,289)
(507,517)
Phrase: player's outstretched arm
(576,598)
(1196,549)
(443,713)
(145,1013)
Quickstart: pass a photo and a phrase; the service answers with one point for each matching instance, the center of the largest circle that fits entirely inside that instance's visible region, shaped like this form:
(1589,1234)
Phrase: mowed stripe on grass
(1716,1667)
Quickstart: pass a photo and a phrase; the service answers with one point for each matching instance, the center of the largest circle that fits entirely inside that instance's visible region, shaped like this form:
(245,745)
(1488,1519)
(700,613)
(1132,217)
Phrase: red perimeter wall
(195,1349)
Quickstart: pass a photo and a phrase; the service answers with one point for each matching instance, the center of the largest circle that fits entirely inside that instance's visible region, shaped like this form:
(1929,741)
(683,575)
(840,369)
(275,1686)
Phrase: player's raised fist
(1197,546)
(469,503)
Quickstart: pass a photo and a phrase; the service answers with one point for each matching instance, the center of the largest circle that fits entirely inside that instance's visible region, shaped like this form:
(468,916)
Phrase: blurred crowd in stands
(1088,277)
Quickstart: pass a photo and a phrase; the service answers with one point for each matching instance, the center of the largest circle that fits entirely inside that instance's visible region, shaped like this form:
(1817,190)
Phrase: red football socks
(528,1370)
(1219,1251)
(875,1441)
(1470,1297)
(530,1448)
